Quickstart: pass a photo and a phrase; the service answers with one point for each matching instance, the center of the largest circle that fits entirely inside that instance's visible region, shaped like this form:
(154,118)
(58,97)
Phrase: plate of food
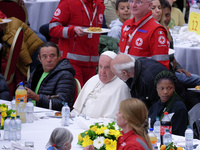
(2,21)
(196,89)
(96,30)
(58,114)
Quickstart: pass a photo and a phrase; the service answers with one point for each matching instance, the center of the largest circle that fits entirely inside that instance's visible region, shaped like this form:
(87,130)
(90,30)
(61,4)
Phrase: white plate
(171,51)
(5,21)
(52,115)
(193,89)
(104,30)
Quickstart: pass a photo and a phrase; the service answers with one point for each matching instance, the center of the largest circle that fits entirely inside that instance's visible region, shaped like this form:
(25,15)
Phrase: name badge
(126,50)
(90,35)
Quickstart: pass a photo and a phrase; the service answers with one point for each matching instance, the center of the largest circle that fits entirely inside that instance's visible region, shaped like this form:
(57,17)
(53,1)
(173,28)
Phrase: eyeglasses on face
(137,2)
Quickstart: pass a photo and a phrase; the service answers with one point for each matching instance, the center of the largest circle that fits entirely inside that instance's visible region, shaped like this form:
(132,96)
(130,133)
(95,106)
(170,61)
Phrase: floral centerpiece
(102,137)
(4,112)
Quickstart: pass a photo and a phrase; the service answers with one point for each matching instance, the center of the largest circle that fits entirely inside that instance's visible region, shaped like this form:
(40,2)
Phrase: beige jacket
(31,42)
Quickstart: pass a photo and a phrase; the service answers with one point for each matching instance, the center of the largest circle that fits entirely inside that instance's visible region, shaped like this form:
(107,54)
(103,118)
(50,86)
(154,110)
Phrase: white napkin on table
(18,146)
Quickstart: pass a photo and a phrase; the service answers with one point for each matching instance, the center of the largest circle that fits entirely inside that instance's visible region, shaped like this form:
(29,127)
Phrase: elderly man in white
(101,95)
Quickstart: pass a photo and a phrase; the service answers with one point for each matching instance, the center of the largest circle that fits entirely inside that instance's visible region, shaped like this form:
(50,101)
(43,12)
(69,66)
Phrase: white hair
(129,67)
(59,137)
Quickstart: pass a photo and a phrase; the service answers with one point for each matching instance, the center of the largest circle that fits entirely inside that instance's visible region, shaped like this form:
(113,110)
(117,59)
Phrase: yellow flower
(100,130)
(80,138)
(87,141)
(2,121)
(94,128)
(112,145)
(107,141)
(116,133)
(3,108)
(3,114)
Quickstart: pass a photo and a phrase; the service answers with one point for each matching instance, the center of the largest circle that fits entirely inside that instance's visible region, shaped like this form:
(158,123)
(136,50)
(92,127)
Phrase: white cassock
(99,100)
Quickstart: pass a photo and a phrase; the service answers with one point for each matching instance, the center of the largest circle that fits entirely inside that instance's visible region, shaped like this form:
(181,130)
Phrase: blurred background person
(177,18)
(124,13)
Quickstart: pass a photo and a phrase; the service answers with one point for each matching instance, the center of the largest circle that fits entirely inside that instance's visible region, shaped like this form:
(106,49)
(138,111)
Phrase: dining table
(40,12)
(187,49)
(40,130)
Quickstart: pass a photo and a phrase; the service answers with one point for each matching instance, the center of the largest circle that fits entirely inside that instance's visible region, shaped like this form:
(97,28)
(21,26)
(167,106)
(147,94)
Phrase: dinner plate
(171,51)
(5,21)
(193,89)
(52,115)
(104,30)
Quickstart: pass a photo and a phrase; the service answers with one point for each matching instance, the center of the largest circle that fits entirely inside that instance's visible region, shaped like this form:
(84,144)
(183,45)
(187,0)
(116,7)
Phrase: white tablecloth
(40,130)
(188,57)
(40,12)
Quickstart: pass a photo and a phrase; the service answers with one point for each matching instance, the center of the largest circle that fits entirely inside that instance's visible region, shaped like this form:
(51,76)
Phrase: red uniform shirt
(82,51)
(131,141)
(150,39)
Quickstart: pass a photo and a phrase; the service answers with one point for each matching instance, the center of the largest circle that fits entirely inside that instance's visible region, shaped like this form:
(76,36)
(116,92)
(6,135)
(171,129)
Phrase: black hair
(49,44)
(165,4)
(167,75)
(119,1)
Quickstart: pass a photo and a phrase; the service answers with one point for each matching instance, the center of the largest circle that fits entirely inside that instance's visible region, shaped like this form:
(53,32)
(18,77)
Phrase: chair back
(12,9)
(13,55)
(77,89)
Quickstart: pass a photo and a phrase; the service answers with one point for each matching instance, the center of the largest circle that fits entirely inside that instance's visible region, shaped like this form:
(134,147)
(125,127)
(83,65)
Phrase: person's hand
(79,31)
(3,26)
(174,62)
(20,2)
(187,73)
(90,147)
(31,94)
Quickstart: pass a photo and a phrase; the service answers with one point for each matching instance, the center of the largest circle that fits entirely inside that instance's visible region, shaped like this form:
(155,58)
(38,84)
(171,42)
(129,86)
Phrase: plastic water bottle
(19,127)
(152,137)
(194,5)
(20,93)
(65,115)
(22,111)
(13,129)
(167,138)
(29,111)
(6,135)
(165,124)
(13,104)
(188,138)
(156,127)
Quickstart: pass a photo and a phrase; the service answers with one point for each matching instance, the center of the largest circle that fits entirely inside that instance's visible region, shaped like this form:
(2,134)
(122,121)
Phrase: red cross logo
(139,42)
(57,12)
(161,39)
(101,17)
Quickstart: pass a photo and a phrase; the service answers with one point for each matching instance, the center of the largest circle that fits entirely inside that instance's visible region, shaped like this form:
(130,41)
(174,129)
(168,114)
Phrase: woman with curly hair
(132,118)
(169,102)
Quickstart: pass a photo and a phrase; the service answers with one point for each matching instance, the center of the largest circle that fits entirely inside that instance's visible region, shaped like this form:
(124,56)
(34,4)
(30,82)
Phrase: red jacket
(150,40)
(131,141)
(70,13)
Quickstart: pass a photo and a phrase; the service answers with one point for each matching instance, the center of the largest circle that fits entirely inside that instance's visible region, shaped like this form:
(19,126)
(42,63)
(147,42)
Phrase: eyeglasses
(137,2)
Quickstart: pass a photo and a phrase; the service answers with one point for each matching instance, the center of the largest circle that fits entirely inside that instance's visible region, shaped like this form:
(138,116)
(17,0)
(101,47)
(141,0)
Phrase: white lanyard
(131,35)
(94,13)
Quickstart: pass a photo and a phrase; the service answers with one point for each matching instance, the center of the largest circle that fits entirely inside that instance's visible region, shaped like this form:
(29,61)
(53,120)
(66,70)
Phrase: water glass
(176,29)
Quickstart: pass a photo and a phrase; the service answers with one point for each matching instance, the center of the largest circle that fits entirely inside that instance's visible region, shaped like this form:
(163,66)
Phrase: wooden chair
(11,9)
(10,65)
